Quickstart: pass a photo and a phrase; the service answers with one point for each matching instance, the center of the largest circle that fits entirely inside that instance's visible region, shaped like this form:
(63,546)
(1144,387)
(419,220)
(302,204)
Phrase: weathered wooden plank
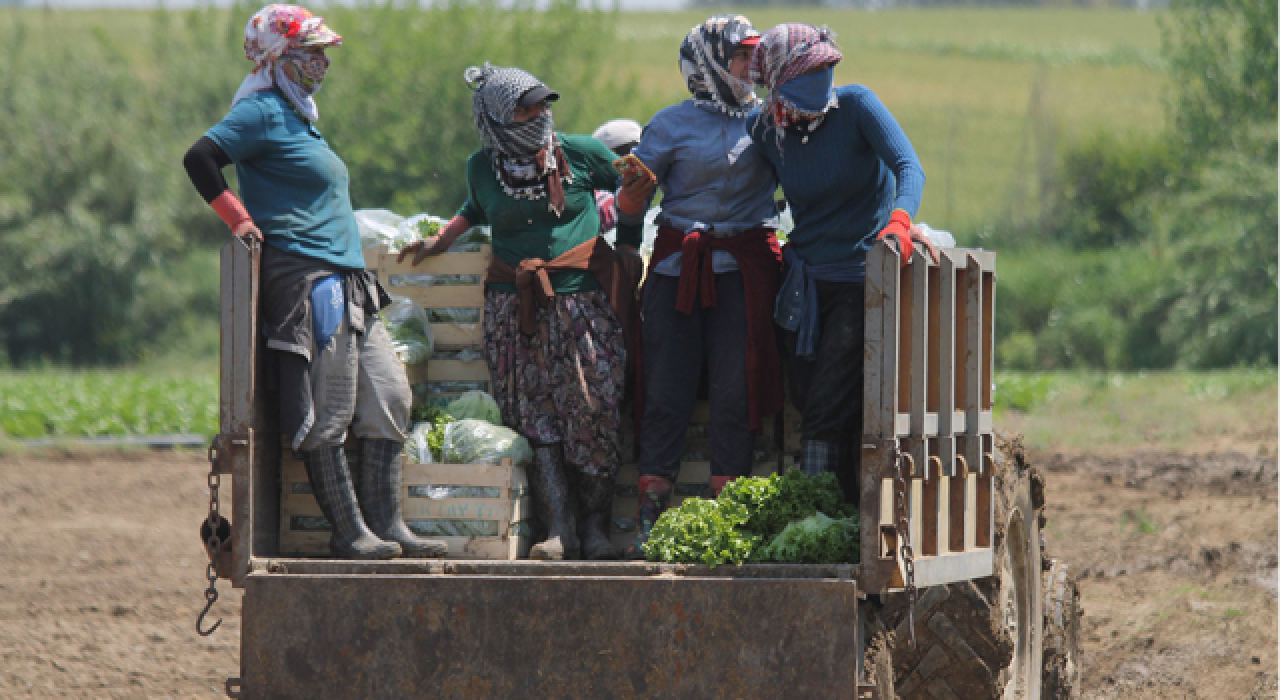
(443,297)
(446,264)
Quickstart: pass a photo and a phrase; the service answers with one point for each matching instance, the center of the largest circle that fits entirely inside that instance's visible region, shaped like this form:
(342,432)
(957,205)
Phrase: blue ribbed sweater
(857,167)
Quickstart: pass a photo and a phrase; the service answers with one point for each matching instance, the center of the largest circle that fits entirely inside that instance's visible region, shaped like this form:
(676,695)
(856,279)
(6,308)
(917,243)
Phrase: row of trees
(1159,250)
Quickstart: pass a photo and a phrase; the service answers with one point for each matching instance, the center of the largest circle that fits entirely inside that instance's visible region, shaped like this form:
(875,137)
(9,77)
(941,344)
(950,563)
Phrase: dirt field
(103,574)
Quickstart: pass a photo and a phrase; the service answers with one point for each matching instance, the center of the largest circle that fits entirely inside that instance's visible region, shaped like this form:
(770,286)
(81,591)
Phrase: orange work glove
(635,193)
(900,227)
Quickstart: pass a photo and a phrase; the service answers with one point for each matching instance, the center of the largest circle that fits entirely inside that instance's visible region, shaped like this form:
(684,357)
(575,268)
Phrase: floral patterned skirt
(564,383)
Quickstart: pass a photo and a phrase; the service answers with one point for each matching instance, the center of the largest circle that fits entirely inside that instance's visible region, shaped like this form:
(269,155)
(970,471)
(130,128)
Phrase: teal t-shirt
(292,184)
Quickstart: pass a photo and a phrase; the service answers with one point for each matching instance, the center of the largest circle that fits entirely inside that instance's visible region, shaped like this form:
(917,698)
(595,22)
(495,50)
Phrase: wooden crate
(432,382)
(479,510)
(445,376)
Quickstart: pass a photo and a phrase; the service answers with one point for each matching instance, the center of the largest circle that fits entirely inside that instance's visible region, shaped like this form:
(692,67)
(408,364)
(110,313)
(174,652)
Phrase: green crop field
(986,96)
(71,404)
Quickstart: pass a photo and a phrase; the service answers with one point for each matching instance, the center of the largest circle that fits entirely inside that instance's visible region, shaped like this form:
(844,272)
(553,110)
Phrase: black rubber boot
(381,490)
(331,483)
(595,498)
(554,504)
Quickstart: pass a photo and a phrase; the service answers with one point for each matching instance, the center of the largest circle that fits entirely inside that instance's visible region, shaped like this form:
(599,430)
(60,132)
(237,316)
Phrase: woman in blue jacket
(850,177)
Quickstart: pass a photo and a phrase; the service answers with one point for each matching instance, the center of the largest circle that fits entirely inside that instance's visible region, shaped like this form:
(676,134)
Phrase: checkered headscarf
(785,52)
(525,155)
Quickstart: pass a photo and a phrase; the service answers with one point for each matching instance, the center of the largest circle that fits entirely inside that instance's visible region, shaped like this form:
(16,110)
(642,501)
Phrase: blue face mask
(809,92)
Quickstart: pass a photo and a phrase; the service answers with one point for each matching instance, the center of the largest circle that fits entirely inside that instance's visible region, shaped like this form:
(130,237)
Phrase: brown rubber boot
(381,491)
(555,506)
(654,495)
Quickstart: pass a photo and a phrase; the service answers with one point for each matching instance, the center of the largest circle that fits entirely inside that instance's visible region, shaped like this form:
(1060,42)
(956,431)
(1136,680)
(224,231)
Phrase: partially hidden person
(336,369)
(708,296)
(556,299)
(851,177)
(621,136)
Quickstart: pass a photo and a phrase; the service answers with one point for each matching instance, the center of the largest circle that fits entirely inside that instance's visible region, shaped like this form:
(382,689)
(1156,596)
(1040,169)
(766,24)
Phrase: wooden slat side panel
(446,264)
(972,365)
(933,335)
(443,297)
(873,420)
(906,335)
(946,345)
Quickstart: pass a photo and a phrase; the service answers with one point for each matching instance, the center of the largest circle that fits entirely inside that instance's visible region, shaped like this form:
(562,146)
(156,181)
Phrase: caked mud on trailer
(953,598)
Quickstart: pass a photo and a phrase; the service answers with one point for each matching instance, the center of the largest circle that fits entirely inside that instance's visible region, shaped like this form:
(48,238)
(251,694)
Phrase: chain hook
(214,543)
(905,550)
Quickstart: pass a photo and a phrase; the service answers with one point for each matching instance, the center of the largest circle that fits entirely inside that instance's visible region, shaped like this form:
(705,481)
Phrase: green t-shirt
(527,228)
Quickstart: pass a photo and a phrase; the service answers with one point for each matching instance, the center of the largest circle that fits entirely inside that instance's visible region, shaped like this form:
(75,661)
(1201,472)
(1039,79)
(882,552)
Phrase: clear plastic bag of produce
(378,227)
(418,227)
(476,405)
(417,448)
(410,330)
(481,442)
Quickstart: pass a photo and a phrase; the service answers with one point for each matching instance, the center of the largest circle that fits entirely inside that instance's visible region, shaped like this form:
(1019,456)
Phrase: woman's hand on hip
(247,229)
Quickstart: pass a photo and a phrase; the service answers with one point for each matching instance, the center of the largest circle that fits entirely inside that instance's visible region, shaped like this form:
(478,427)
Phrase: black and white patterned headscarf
(704,62)
(525,154)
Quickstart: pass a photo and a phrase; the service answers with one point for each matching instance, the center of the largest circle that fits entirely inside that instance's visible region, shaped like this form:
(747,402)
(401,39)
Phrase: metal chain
(213,544)
(904,535)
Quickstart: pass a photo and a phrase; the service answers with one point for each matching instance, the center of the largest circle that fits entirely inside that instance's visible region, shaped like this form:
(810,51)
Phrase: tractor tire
(982,639)
(877,657)
(1062,613)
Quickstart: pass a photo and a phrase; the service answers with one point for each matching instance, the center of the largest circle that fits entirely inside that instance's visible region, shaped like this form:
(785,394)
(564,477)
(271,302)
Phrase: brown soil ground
(102,574)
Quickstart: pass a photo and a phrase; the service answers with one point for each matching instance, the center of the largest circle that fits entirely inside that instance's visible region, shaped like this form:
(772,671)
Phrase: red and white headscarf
(276,34)
(784,52)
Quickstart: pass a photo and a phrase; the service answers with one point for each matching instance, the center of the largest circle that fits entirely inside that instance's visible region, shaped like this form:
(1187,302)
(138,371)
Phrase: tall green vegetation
(108,250)
(1160,249)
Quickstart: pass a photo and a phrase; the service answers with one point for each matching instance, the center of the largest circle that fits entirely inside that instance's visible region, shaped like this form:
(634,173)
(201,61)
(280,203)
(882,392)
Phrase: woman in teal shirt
(335,366)
(557,357)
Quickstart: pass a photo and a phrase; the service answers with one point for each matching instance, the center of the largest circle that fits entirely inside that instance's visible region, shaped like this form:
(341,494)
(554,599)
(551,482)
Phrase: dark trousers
(827,388)
(676,347)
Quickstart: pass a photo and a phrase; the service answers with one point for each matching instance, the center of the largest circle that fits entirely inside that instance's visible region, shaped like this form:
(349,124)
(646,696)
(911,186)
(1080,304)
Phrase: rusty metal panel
(352,636)
(555,569)
(237,383)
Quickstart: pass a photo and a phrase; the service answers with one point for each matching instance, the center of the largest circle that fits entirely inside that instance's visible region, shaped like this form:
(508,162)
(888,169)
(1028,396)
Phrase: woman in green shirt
(553,340)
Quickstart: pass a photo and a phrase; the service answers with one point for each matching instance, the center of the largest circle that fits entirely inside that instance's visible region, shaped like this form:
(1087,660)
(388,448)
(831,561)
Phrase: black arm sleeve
(204,163)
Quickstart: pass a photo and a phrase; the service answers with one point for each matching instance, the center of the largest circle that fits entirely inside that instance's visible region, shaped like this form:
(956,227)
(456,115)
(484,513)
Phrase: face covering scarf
(785,53)
(273,32)
(525,156)
(704,62)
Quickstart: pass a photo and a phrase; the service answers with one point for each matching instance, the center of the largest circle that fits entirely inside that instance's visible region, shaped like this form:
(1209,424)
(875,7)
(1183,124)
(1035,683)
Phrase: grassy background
(986,95)
(1073,411)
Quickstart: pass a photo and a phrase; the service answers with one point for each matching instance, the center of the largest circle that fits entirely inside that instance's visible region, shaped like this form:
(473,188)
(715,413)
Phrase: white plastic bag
(416,448)
(410,330)
(378,227)
(418,227)
(481,442)
(942,239)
